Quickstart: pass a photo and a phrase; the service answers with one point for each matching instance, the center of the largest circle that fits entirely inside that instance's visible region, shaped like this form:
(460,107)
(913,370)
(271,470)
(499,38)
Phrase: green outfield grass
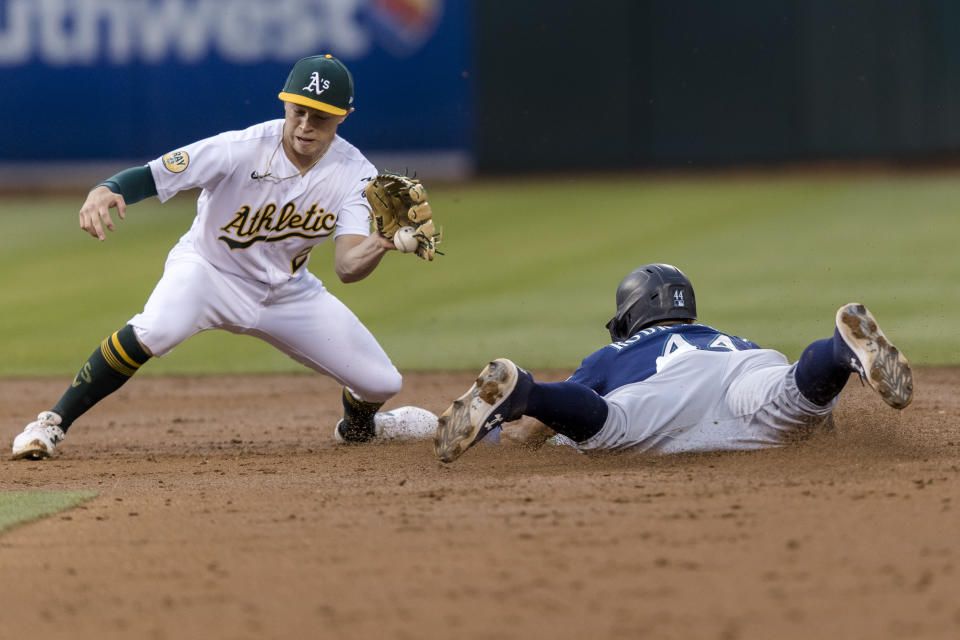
(17,507)
(530,270)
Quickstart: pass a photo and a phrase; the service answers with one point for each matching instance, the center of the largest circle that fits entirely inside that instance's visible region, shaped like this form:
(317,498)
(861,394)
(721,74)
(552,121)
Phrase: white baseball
(404,240)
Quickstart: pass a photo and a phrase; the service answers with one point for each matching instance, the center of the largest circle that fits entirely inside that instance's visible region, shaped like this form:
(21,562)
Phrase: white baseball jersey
(264,227)
(240,267)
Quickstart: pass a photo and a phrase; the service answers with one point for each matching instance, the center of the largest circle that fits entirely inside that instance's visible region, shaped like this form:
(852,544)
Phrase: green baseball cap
(320,82)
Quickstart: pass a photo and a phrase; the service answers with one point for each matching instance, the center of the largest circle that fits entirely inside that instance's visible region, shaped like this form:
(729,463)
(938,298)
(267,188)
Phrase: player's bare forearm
(95,212)
(357,256)
(527,431)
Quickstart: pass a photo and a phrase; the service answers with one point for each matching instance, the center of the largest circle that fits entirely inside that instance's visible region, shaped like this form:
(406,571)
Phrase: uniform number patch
(176,161)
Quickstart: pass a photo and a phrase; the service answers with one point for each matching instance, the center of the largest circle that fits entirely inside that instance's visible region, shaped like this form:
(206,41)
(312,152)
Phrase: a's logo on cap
(317,84)
(176,161)
(678,298)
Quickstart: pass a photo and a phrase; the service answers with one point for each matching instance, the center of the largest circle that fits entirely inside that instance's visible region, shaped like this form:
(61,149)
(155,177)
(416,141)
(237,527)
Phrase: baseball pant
(710,401)
(299,317)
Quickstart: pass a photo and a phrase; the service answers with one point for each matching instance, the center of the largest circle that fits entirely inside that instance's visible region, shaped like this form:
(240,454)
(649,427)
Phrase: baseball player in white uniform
(666,384)
(269,195)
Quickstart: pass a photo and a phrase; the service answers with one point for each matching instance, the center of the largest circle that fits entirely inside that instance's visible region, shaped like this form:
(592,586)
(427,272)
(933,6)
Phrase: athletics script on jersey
(271,223)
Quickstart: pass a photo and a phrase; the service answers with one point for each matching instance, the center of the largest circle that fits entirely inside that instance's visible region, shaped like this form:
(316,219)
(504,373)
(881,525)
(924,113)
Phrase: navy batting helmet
(651,294)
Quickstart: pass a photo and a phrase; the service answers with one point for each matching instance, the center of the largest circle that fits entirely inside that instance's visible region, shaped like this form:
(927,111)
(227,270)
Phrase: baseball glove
(400,201)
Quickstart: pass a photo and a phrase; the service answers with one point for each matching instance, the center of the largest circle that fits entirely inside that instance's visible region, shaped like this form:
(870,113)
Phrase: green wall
(699,82)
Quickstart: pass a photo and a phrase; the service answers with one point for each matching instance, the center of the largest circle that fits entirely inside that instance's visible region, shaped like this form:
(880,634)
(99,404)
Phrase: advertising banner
(107,79)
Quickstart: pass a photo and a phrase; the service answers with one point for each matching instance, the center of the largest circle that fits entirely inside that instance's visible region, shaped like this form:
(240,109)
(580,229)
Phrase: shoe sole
(36,450)
(465,422)
(885,368)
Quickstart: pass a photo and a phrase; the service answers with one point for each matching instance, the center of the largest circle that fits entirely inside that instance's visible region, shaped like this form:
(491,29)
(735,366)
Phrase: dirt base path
(226,511)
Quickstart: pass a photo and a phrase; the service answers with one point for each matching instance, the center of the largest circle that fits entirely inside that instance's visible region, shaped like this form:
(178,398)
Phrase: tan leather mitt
(399,201)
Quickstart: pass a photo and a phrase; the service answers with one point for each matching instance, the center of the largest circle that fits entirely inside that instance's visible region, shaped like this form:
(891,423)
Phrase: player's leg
(858,345)
(791,405)
(313,327)
(764,393)
(119,356)
(358,422)
(190,297)
(503,392)
(569,408)
(819,374)
(709,401)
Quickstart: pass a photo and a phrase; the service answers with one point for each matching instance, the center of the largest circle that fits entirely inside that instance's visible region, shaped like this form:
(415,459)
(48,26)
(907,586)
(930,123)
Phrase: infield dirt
(225,510)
